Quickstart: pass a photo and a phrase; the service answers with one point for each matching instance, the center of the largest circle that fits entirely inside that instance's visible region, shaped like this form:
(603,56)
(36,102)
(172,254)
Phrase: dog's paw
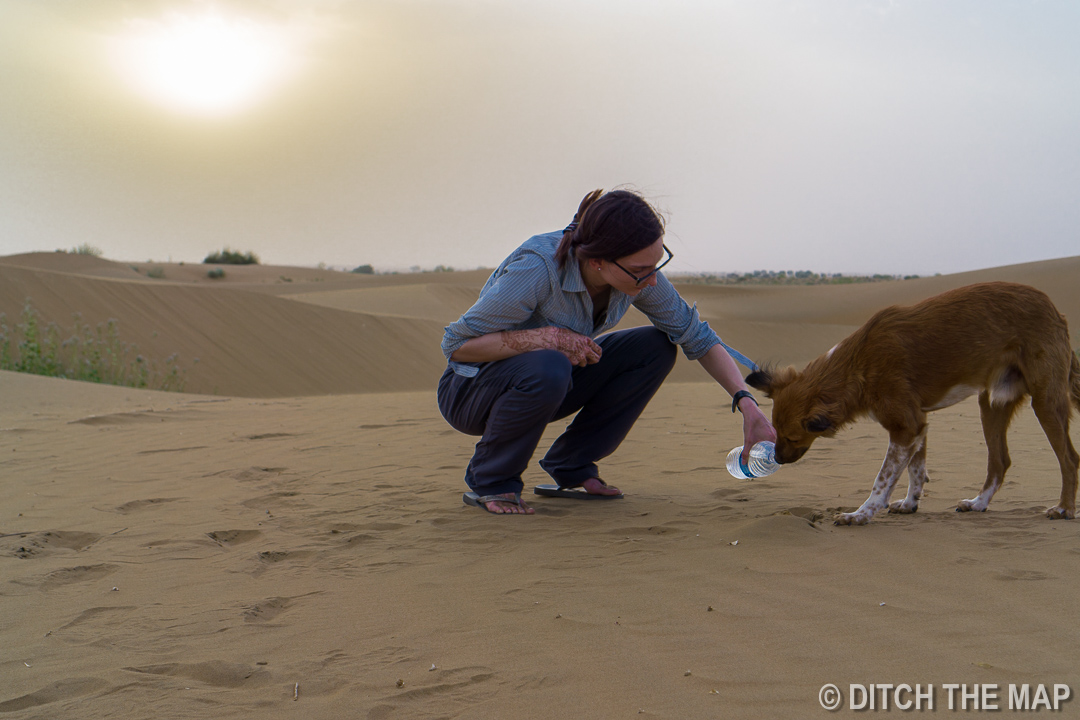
(971,505)
(1059,513)
(903,507)
(854,518)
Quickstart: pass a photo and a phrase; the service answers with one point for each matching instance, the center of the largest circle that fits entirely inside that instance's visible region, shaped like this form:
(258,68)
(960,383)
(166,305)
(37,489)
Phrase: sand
(286,539)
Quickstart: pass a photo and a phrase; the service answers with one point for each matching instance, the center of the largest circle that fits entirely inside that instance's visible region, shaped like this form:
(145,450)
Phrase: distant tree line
(782,277)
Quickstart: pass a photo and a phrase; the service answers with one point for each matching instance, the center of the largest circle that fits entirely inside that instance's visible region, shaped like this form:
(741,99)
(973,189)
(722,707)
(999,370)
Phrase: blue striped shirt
(530,291)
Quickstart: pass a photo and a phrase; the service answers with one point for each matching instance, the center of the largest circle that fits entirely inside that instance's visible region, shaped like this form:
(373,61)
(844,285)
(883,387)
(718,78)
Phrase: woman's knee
(657,345)
(544,371)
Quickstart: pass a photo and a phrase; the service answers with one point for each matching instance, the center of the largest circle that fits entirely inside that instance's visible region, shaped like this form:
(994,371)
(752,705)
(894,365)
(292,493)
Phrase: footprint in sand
(257,473)
(1012,574)
(69,576)
(216,673)
(59,690)
(27,545)
(135,505)
(270,558)
(454,689)
(267,610)
(233,537)
(272,500)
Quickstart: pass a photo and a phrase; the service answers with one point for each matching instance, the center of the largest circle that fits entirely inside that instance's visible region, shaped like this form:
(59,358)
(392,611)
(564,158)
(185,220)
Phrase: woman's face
(617,273)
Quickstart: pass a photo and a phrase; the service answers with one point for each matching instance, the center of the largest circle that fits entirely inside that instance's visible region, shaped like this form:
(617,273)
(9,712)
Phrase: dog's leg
(896,459)
(1053,414)
(995,422)
(916,478)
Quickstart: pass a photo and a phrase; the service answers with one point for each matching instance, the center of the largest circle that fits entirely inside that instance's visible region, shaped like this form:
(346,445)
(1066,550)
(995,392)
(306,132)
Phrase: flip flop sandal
(575,493)
(471,498)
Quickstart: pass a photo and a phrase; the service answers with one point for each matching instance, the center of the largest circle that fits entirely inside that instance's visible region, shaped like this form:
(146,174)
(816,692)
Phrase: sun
(204,63)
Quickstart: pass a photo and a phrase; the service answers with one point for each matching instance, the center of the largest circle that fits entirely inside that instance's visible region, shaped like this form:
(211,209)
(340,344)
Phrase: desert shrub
(231,257)
(86,249)
(90,354)
(156,272)
(215,273)
(365,270)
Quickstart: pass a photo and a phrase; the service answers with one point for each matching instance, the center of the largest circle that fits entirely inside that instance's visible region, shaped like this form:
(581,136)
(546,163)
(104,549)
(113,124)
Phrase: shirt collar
(571,276)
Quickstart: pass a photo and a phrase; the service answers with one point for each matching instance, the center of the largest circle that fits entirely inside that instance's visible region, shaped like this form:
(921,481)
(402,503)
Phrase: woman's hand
(756,427)
(580,349)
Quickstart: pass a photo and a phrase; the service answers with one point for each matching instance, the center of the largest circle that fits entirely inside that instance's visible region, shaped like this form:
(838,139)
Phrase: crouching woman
(532,350)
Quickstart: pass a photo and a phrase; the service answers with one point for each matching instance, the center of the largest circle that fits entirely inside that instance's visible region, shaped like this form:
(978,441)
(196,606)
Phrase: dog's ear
(818,424)
(771,380)
(761,379)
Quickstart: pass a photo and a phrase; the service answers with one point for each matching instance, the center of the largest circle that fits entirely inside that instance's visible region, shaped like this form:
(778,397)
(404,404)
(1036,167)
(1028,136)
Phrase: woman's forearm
(579,349)
(499,345)
(756,427)
(723,369)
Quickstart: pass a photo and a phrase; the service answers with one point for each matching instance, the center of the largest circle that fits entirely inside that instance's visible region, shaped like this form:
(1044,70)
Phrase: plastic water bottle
(762,462)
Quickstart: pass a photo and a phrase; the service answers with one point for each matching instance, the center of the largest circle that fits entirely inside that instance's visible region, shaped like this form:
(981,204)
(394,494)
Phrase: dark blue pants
(510,402)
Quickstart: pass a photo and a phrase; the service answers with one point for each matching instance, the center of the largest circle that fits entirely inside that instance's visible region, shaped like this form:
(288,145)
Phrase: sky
(838,136)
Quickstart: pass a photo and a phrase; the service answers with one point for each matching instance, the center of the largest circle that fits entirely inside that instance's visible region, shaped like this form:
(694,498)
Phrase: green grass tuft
(89,354)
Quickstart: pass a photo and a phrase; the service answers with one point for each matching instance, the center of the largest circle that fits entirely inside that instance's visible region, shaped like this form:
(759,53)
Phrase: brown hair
(608,227)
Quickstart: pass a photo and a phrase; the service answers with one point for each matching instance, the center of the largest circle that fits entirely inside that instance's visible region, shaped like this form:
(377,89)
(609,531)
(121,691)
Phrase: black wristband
(739,396)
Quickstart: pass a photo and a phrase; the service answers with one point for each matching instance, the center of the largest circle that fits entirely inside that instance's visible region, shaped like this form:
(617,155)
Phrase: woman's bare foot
(596,486)
(513,505)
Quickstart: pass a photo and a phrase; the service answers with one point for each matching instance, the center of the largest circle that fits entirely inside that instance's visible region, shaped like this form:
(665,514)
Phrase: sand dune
(296,544)
(235,342)
(266,331)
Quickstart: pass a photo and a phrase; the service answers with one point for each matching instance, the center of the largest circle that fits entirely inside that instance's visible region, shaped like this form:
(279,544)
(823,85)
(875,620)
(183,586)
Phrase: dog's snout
(787,454)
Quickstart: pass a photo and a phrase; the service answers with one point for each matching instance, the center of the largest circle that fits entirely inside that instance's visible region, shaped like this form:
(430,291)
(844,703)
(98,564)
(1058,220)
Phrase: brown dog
(1000,340)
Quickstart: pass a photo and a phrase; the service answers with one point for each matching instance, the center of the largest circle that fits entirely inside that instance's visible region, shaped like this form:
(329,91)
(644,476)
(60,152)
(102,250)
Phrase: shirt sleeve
(505,303)
(666,309)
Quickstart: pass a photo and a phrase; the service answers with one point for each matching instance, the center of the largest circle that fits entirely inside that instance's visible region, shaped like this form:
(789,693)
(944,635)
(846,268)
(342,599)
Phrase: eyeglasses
(643,278)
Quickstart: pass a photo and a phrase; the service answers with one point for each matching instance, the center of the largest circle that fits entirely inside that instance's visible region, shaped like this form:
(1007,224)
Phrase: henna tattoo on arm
(522,341)
(579,349)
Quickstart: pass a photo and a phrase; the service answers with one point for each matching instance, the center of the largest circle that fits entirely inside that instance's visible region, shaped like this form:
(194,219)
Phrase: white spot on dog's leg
(916,479)
(980,502)
(896,459)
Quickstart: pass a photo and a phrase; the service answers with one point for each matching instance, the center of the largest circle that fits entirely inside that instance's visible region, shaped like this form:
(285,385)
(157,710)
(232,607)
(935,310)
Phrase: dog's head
(800,414)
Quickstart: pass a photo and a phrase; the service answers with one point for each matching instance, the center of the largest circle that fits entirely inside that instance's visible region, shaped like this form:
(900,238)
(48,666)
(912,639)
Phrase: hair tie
(571,227)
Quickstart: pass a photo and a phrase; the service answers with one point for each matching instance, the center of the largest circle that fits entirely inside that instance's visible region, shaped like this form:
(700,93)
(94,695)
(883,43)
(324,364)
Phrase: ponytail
(570,234)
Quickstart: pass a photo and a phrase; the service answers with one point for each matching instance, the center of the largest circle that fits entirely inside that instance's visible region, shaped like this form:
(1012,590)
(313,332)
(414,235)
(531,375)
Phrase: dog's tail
(1074,380)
